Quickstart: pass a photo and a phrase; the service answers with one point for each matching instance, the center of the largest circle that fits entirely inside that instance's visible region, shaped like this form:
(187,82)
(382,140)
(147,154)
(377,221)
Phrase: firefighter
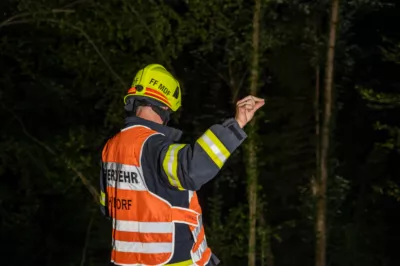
(149,181)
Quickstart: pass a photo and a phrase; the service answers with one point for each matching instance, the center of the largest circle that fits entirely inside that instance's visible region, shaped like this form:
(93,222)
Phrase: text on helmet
(161,87)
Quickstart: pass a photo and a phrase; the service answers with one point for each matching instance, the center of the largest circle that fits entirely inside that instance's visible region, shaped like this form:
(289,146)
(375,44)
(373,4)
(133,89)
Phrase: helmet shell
(158,85)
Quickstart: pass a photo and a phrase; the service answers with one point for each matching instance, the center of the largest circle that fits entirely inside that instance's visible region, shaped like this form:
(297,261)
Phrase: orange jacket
(148,190)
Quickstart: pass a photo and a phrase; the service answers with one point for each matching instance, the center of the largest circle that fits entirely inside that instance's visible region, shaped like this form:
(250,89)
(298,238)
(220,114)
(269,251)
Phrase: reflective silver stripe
(124,176)
(143,227)
(196,256)
(203,246)
(191,193)
(214,148)
(139,247)
(197,230)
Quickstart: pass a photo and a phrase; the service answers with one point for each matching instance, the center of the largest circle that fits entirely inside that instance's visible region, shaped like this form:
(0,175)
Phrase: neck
(151,116)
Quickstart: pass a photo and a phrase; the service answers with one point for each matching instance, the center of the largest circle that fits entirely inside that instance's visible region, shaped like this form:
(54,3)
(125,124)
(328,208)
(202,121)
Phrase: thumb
(258,105)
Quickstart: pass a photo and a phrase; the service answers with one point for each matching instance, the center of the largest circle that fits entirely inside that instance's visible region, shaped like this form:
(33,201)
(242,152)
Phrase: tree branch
(54,10)
(84,180)
(84,34)
(157,44)
(74,3)
(116,76)
(10,20)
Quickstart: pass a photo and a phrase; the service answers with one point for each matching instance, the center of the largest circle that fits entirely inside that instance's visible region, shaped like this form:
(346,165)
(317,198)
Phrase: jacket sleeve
(188,167)
(102,200)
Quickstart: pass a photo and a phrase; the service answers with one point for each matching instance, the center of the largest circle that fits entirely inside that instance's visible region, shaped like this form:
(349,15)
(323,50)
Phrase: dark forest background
(66,65)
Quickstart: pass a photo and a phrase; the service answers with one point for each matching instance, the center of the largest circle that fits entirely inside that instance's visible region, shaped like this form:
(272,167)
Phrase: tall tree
(321,232)
(250,147)
(224,52)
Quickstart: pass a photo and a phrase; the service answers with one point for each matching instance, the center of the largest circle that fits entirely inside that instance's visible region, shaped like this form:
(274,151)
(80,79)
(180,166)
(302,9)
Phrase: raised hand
(245,109)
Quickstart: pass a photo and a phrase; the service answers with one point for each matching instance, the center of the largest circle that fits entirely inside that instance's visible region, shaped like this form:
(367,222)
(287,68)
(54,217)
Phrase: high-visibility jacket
(148,185)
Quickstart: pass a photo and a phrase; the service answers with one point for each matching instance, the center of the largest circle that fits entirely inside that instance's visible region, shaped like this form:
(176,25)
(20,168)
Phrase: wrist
(241,124)
(236,128)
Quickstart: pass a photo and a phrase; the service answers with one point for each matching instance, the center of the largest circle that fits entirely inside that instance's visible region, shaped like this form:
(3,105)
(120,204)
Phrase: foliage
(67,64)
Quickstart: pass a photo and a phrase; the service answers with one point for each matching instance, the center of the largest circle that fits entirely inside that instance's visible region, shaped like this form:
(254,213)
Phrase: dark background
(66,65)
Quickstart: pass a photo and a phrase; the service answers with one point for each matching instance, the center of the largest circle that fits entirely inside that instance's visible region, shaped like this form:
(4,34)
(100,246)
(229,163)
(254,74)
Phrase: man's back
(153,223)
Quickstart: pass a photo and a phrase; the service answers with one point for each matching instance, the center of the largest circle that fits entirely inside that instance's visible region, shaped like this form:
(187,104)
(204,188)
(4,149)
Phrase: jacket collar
(169,132)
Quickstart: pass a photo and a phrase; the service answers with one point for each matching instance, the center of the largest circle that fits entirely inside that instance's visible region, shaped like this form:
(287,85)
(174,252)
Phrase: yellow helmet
(156,83)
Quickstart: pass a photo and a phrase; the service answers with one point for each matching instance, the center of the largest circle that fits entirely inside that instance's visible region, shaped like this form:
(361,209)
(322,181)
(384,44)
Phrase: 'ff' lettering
(153,81)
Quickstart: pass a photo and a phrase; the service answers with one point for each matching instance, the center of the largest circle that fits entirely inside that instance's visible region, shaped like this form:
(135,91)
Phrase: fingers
(251,98)
(258,105)
(242,100)
(248,102)
(248,105)
(246,99)
(256,99)
(255,108)
(251,103)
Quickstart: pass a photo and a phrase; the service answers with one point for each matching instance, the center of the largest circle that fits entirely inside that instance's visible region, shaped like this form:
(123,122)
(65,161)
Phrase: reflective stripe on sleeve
(170,165)
(214,148)
(102,198)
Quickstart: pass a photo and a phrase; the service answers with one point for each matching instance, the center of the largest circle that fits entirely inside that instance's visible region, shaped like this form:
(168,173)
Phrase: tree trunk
(250,147)
(315,178)
(323,175)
